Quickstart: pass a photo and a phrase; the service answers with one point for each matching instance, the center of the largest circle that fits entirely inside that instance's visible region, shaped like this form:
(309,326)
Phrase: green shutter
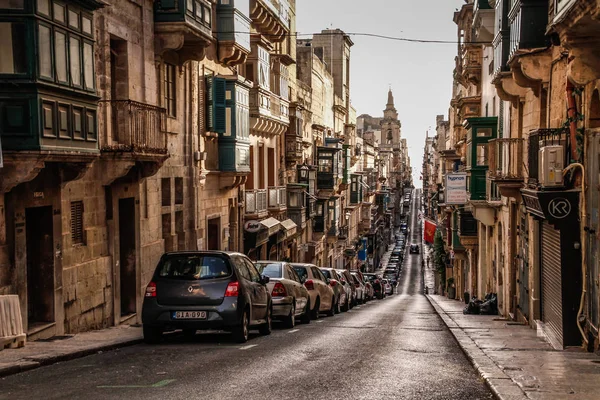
(219,104)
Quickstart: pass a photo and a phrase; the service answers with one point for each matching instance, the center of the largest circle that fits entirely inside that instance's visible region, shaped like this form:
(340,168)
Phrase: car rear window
(194,267)
(302,274)
(326,273)
(271,270)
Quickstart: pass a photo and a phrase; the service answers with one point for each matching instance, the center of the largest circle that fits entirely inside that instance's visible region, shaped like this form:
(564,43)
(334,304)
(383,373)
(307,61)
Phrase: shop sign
(532,203)
(560,208)
(456,188)
(252,226)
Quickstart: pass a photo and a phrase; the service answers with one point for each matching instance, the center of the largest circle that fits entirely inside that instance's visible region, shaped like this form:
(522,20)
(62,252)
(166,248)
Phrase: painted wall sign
(456,188)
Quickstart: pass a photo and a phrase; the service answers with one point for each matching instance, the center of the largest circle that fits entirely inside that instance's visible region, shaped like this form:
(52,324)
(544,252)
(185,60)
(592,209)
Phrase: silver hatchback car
(290,297)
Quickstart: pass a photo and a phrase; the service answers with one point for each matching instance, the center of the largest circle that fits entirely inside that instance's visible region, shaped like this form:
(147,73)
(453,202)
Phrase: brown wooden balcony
(135,128)
(472,56)
(293,148)
(506,164)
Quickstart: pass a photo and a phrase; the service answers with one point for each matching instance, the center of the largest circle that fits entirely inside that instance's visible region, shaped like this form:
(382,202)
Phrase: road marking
(319,322)
(160,384)
(248,347)
(294,331)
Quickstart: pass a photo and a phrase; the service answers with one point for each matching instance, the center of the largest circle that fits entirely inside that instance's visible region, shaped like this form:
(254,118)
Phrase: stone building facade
(133,128)
(530,155)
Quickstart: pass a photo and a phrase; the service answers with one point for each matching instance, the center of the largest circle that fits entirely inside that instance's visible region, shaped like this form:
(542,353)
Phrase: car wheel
(305,318)
(240,332)
(265,329)
(189,334)
(346,305)
(331,311)
(152,335)
(315,311)
(290,320)
(338,307)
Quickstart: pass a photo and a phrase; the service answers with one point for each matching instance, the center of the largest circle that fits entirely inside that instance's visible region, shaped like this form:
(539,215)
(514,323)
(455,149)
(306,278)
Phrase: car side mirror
(265,279)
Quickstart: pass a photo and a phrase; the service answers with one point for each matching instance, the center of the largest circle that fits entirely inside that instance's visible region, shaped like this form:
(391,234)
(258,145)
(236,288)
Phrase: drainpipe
(582,205)
(572,114)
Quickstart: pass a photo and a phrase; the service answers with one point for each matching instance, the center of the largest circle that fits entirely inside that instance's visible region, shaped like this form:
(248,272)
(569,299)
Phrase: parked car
(289,296)
(338,289)
(388,288)
(347,283)
(206,290)
(369,291)
(321,294)
(414,249)
(375,281)
(360,288)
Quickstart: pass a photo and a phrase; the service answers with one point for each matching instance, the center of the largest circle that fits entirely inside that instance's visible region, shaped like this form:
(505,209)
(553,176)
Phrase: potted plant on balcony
(451,288)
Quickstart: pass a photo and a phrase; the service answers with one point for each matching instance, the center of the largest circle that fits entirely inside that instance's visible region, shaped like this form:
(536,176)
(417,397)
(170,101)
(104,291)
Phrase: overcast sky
(420,73)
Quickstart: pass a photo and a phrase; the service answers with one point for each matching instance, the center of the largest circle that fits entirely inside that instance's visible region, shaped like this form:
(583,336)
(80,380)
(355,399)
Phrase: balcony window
(325,165)
(13,36)
(481,155)
(43,7)
(169,89)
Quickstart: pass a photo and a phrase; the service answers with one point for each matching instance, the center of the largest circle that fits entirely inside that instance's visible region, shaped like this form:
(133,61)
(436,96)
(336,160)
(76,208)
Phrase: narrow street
(394,348)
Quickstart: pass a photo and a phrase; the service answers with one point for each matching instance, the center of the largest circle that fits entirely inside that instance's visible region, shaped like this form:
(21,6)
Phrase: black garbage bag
(490,305)
(473,307)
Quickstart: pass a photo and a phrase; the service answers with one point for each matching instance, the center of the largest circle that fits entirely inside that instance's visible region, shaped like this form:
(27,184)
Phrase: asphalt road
(396,348)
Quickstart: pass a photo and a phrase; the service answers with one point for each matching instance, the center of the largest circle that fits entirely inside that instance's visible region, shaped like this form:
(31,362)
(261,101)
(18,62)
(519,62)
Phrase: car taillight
(333,282)
(279,290)
(309,285)
(151,290)
(377,281)
(357,285)
(233,289)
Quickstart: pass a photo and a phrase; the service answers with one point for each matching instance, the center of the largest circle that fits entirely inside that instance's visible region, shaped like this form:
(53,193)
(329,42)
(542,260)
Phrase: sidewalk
(46,352)
(515,362)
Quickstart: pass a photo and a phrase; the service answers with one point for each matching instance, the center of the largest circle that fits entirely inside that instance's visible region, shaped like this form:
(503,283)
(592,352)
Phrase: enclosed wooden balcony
(271,18)
(256,203)
(183,26)
(233,33)
(472,57)
(269,113)
(277,199)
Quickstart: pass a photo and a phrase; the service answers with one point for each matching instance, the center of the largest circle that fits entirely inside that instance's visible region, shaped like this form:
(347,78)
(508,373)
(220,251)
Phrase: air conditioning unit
(550,166)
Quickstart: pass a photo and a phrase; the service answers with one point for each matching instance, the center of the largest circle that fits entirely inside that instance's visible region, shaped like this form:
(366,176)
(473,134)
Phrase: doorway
(213,234)
(40,266)
(127,272)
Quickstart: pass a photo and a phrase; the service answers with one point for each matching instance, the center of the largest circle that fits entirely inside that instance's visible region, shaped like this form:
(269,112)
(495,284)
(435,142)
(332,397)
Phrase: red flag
(429,231)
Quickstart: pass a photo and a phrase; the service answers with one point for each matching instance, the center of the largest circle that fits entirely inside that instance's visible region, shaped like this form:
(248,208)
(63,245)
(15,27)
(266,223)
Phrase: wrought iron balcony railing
(135,127)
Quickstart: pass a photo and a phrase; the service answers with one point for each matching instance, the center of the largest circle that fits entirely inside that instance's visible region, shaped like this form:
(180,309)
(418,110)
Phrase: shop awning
(271,224)
(289,227)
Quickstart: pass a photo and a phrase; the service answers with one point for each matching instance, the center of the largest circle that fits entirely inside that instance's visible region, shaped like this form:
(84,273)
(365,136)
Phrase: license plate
(189,315)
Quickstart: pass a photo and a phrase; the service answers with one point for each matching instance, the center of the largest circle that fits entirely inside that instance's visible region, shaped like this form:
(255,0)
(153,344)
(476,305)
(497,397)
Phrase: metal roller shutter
(551,282)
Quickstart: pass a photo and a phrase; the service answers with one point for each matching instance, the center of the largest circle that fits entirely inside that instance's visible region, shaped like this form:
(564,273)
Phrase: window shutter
(219,104)
(77,222)
(210,118)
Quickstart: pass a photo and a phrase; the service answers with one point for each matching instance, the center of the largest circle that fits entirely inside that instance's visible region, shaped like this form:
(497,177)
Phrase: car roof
(204,253)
